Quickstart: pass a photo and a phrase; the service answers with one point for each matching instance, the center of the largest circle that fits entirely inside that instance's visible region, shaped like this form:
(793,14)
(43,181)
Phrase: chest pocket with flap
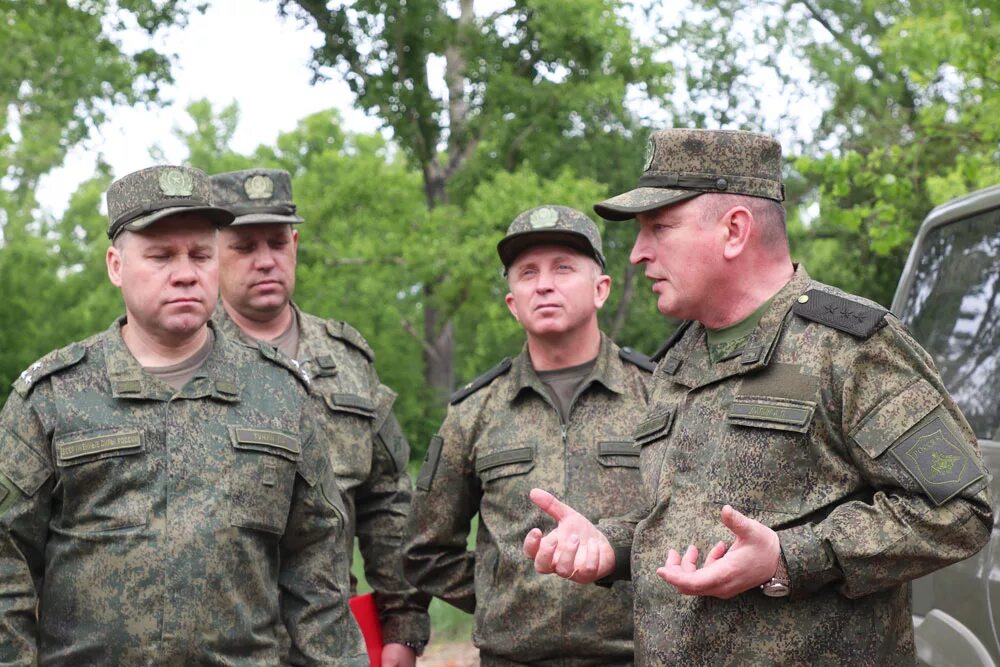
(262,478)
(505,463)
(105,477)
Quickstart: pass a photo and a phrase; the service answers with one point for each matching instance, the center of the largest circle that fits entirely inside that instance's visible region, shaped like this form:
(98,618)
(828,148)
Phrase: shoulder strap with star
(51,363)
(637,358)
(840,312)
(480,382)
(276,356)
(345,332)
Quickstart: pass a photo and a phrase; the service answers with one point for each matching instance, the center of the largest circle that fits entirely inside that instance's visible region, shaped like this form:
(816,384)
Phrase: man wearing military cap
(365,444)
(163,496)
(559,415)
(797,433)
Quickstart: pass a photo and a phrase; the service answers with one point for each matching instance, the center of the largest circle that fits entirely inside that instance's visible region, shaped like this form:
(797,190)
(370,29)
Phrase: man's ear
(602,290)
(509,300)
(737,225)
(113,258)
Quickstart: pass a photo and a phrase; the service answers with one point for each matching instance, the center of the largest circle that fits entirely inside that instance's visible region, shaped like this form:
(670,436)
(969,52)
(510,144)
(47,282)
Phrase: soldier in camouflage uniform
(163,499)
(560,415)
(797,432)
(367,448)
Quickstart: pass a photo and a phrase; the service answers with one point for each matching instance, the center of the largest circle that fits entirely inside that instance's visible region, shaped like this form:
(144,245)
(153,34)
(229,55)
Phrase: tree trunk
(625,303)
(439,336)
(439,351)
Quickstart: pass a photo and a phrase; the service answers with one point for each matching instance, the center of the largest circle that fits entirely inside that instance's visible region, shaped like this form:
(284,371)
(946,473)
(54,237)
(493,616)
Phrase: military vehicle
(949,297)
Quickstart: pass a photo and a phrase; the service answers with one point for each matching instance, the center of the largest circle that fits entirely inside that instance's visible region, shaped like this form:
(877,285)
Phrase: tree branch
(428,348)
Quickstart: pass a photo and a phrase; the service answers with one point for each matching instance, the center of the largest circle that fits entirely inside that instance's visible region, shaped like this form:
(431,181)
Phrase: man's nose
(642,248)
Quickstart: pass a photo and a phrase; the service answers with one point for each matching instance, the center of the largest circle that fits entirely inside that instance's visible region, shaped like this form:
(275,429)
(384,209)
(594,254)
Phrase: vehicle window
(953,309)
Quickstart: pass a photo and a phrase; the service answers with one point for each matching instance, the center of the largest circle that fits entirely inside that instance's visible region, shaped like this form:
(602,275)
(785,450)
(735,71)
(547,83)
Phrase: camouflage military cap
(551,224)
(682,164)
(256,196)
(137,200)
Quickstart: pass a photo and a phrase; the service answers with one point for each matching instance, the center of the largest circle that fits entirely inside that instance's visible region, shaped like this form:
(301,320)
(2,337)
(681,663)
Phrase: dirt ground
(450,654)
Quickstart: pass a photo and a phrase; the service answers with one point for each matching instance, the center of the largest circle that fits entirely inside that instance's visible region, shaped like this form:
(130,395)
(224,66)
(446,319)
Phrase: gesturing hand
(574,550)
(750,561)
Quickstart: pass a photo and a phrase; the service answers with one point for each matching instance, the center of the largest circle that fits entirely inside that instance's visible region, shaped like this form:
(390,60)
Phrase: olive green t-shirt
(562,384)
(288,340)
(177,375)
(728,342)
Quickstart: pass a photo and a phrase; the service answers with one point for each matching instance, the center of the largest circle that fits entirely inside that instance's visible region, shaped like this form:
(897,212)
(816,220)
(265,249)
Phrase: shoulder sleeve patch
(480,382)
(274,355)
(937,457)
(53,362)
(840,313)
(637,358)
(674,338)
(348,334)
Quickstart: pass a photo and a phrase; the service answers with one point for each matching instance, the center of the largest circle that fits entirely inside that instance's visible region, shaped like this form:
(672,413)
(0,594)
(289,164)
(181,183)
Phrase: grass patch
(447,622)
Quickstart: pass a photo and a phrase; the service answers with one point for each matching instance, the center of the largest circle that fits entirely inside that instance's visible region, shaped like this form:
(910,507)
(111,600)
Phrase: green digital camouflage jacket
(501,437)
(153,526)
(833,428)
(369,454)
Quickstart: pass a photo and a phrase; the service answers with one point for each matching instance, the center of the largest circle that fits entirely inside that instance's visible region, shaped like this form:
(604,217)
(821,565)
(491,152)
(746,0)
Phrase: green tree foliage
(63,70)
(55,282)
(521,86)
(909,94)
(370,244)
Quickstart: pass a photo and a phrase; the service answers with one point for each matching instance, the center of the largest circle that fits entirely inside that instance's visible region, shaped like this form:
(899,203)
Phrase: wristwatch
(416,647)
(778,587)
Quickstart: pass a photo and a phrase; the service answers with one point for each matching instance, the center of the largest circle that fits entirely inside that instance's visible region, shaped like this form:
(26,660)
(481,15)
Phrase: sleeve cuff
(810,561)
(409,627)
(623,566)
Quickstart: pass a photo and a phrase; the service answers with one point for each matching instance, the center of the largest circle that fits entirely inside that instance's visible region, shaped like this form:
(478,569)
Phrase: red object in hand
(365,613)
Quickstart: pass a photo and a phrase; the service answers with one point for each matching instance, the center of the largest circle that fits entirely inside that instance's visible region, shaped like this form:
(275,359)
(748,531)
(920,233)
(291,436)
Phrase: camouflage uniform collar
(688,362)
(217,377)
(608,371)
(224,323)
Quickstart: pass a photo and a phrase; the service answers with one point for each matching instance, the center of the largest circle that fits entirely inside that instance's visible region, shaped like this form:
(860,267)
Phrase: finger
(738,524)
(544,563)
(690,561)
(566,557)
(578,571)
(531,543)
(673,575)
(588,560)
(673,558)
(550,504)
(717,552)
(696,582)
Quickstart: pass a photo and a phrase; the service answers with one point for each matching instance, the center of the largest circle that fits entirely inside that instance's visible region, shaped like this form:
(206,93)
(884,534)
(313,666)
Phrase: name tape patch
(98,444)
(429,468)
(520,455)
(771,413)
(259,436)
(617,448)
